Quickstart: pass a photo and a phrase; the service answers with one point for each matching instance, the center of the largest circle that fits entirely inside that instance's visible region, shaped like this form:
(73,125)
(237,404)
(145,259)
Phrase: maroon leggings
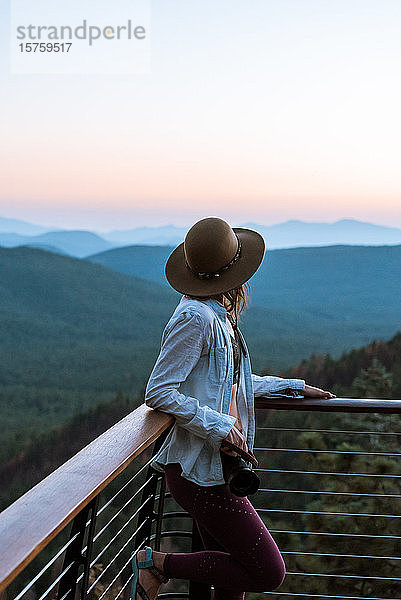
(240,554)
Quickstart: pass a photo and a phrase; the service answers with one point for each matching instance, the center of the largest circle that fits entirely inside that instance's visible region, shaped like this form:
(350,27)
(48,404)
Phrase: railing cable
(334,597)
(340,555)
(124,486)
(115,556)
(328,473)
(44,569)
(119,573)
(376,577)
(94,561)
(336,533)
(327,430)
(120,511)
(358,495)
(55,582)
(311,451)
(322,512)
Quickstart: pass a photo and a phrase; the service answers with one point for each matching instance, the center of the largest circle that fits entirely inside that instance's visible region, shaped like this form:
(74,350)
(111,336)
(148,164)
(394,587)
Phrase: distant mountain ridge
(290,234)
(75,243)
(22,227)
(295,233)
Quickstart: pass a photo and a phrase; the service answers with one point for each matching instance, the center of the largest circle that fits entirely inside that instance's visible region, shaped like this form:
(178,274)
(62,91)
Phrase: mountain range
(349,284)
(303,300)
(290,234)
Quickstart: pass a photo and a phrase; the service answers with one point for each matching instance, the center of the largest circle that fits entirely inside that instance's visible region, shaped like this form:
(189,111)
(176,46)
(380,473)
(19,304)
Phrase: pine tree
(373,382)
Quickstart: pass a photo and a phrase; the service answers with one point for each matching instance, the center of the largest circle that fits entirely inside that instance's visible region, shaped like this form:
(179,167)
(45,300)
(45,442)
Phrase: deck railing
(330,496)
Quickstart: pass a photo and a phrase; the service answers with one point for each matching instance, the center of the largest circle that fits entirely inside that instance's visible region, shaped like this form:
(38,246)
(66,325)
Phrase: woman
(203,377)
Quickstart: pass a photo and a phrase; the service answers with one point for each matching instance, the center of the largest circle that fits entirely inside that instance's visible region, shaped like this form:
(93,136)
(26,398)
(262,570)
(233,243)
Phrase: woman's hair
(234,301)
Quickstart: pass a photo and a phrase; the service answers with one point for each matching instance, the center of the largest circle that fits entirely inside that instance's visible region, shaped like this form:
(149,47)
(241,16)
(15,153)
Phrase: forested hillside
(373,371)
(357,288)
(142,261)
(46,451)
(73,334)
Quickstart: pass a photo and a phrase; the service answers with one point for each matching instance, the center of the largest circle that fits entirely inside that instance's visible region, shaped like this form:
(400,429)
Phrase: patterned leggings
(240,554)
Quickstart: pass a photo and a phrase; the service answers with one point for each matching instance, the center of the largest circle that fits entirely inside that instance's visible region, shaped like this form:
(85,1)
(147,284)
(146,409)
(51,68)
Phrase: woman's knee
(266,570)
(269,577)
(275,578)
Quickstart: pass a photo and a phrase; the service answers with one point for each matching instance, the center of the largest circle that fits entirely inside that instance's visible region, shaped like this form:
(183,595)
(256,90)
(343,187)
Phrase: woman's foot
(146,578)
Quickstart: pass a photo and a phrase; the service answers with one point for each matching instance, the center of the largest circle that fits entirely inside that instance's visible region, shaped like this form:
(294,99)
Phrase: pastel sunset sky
(255,111)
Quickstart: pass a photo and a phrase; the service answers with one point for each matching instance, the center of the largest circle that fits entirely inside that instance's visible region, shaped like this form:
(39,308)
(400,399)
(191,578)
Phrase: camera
(239,475)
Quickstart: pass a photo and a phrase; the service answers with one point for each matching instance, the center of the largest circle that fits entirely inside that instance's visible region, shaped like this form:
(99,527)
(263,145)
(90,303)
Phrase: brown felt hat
(214,258)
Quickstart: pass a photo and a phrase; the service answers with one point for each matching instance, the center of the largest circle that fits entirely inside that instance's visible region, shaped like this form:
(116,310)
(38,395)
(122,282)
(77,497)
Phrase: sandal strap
(141,591)
(143,564)
(159,574)
(149,564)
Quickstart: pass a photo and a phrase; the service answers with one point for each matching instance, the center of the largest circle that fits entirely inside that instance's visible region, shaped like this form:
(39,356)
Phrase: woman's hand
(314,392)
(235,437)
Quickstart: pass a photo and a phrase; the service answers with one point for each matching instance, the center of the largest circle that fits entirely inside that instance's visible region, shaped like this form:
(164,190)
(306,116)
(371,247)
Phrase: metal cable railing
(335,494)
(329,495)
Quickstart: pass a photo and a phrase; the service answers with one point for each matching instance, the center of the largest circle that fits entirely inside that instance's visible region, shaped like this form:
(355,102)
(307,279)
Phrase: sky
(257,111)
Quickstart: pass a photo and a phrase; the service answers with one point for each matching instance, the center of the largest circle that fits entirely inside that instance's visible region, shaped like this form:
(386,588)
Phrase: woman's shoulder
(191,309)
(193,306)
(196,319)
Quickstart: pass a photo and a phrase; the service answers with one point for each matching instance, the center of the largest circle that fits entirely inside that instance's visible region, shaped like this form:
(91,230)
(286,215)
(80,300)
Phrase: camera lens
(242,480)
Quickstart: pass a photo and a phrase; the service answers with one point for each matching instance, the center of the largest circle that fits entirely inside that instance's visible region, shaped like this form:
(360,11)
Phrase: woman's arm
(266,384)
(181,349)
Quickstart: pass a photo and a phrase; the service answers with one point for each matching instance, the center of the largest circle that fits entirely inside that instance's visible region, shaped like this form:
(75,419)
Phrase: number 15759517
(45,46)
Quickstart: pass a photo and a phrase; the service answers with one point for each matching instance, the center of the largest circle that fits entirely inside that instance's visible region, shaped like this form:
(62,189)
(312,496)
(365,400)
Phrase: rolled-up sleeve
(181,348)
(263,385)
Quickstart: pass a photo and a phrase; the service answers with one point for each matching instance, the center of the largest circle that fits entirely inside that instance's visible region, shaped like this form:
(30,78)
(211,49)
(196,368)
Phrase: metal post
(89,546)
(160,509)
(147,512)
(68,584)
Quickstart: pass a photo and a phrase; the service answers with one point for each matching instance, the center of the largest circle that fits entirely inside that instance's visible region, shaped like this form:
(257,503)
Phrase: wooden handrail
(31,522)
(359,405)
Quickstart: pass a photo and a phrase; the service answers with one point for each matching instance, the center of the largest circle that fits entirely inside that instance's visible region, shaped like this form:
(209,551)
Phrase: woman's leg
(211,544)
(250,559)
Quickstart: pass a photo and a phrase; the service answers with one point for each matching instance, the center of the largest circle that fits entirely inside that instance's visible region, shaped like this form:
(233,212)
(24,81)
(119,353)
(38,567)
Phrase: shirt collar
(216,306)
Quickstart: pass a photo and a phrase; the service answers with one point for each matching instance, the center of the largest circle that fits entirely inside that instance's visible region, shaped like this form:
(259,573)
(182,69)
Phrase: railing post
(89,547)
(68,584)
(160,509)
(147,512)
